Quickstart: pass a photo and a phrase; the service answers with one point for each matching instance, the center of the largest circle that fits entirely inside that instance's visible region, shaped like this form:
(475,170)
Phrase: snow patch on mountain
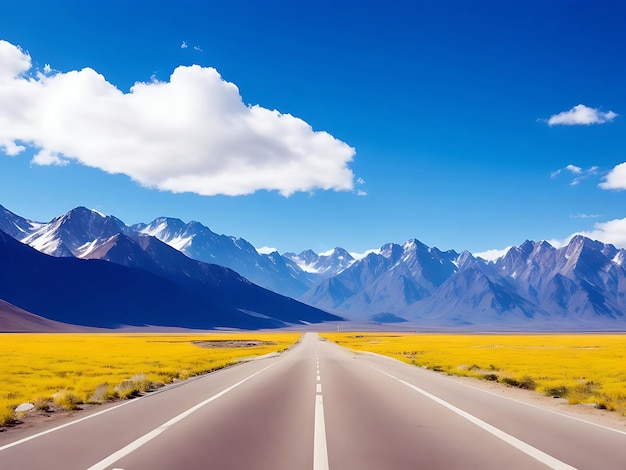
(492,255)
(43,240)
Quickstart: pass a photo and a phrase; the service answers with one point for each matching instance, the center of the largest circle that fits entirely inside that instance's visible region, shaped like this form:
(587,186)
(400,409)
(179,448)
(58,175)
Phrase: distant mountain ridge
(533,286)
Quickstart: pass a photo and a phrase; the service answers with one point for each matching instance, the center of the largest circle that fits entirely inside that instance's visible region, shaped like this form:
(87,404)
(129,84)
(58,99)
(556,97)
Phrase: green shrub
(527,383)
(510,382)
(557,392)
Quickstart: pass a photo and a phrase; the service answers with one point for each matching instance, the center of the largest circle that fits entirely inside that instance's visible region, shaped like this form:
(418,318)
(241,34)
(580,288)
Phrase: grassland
(583,368)
(66,370)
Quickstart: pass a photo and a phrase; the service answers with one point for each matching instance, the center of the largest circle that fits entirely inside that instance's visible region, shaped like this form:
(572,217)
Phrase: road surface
(318,406)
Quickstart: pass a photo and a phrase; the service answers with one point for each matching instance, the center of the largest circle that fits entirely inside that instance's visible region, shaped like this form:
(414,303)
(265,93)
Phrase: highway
(318,406)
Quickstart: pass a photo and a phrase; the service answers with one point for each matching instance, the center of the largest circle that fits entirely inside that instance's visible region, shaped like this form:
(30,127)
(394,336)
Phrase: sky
(310,125)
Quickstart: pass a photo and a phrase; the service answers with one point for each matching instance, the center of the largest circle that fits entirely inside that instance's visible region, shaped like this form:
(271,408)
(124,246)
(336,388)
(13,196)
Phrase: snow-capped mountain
(73,234)
(385,282)
(197,241)
(84,233)
(533,286)
(585,278)
(323,264)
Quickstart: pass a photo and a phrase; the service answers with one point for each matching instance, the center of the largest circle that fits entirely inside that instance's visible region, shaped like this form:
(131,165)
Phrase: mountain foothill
(88,269)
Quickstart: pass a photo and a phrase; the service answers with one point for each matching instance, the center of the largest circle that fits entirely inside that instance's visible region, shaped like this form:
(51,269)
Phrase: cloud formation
(192,133)
(581,115)
(585,216)
(616,178)
(578,173)
(613,231)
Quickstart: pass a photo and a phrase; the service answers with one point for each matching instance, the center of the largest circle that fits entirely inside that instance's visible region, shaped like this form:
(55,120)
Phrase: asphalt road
(317,407)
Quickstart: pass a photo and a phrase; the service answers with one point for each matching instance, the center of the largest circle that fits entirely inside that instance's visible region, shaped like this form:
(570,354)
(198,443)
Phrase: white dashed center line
(320,452)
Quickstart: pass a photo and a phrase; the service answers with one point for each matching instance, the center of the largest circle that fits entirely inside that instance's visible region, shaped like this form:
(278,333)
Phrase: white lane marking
(105,463)
(318,378)
(509,398)
(513,441)
(318,388)
(546,409)
(320,452)
(48,431)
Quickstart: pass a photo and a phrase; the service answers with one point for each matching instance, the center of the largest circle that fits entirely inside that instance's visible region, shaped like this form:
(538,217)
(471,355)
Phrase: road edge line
(137,443)
(529,450)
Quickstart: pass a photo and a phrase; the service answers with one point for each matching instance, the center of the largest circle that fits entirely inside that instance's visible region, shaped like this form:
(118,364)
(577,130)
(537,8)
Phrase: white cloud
(46,157)
(197,48)
(576,170)
(184,45)
(581,115)
(585,216)
(13,61)
(616,178)
(492,255)
(613,231)
(11,148)
(191,134)
(266,250)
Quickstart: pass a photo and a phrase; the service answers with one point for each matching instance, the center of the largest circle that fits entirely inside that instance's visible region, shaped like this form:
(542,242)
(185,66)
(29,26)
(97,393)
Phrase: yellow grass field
(583,368)
(70,369)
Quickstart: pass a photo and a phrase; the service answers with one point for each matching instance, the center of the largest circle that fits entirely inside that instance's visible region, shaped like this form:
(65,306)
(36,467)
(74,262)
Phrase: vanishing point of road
(318,406)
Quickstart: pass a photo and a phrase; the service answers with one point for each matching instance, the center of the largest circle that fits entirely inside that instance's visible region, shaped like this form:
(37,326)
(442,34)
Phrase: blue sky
(466,125)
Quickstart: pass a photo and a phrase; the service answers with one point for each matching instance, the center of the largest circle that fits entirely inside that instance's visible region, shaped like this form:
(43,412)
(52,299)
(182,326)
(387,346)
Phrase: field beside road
(582,368)
(66,370)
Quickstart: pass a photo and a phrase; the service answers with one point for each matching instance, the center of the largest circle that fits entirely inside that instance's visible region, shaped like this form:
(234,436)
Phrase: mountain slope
(477,294)
(16,226)
(272,271)
(16,320)
(105,294)
(389,281)
(206,280)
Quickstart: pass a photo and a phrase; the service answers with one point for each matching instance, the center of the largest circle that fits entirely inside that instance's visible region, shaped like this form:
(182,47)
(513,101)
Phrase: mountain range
(535,286)
(85,268)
